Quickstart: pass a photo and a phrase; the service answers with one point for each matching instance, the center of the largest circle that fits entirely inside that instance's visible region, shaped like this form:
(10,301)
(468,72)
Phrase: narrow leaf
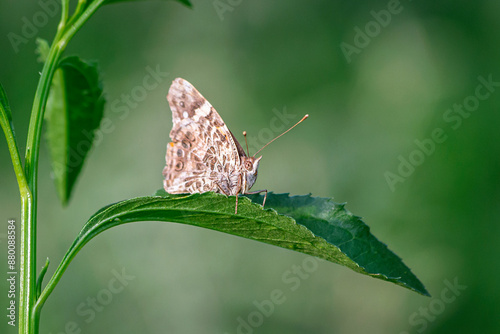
(8,129)
(39,280)
(5,113)
(319,227)
(74,110)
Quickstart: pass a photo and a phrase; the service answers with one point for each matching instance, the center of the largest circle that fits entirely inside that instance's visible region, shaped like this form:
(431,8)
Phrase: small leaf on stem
(74,111)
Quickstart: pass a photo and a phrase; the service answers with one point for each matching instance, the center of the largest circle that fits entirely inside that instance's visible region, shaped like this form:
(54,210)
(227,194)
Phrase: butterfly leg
(238,186)
(258,192)
(236,206)
(228,194)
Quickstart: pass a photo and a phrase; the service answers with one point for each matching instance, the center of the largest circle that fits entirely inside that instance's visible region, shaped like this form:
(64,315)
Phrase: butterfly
(204,155)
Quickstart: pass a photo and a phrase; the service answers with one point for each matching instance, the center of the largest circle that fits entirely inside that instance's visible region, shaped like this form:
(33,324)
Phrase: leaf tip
(186,3)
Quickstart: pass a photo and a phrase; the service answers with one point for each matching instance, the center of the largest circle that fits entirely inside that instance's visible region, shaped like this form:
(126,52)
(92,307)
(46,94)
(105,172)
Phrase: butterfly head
(249,169)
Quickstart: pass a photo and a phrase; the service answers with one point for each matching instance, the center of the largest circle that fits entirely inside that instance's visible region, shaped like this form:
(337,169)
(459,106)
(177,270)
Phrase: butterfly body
(203,155)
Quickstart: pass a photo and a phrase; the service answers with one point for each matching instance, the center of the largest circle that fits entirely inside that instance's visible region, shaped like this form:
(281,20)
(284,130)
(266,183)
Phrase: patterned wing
(203,155)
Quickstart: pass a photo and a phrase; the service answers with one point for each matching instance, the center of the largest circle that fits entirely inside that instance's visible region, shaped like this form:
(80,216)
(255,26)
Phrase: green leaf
(184,2)
(8,129)
(319,227)
(5,113)
(359,249)
(39,281)
(74,110)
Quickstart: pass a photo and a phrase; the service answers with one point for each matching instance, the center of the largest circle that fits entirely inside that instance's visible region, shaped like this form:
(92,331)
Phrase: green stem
(26,205)
(14,152)
(26,286)
(79,9)
(27,291)
(28,315)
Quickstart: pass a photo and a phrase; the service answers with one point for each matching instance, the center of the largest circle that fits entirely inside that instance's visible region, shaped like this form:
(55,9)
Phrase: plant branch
(64,14)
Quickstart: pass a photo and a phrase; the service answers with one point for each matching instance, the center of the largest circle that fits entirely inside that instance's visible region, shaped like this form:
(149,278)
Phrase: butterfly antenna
(303,118)
(245,135)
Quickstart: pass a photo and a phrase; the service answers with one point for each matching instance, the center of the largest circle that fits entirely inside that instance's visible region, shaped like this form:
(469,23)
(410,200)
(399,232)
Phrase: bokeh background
(252,59)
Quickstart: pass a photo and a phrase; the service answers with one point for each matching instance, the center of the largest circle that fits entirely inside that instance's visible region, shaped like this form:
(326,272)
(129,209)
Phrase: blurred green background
(367,110)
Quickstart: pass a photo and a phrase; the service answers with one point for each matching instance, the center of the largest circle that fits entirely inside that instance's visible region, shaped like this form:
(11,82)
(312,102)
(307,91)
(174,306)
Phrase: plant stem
(14,155)
(27,291)
(26,286)
(26,201)
(28,316)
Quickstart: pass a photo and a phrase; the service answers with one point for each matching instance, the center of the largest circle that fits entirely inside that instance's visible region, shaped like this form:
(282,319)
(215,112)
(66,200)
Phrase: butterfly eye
(248,165)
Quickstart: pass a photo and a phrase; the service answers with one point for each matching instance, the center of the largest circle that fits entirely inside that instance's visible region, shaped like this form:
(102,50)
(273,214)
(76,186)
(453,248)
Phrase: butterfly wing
(203,155)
